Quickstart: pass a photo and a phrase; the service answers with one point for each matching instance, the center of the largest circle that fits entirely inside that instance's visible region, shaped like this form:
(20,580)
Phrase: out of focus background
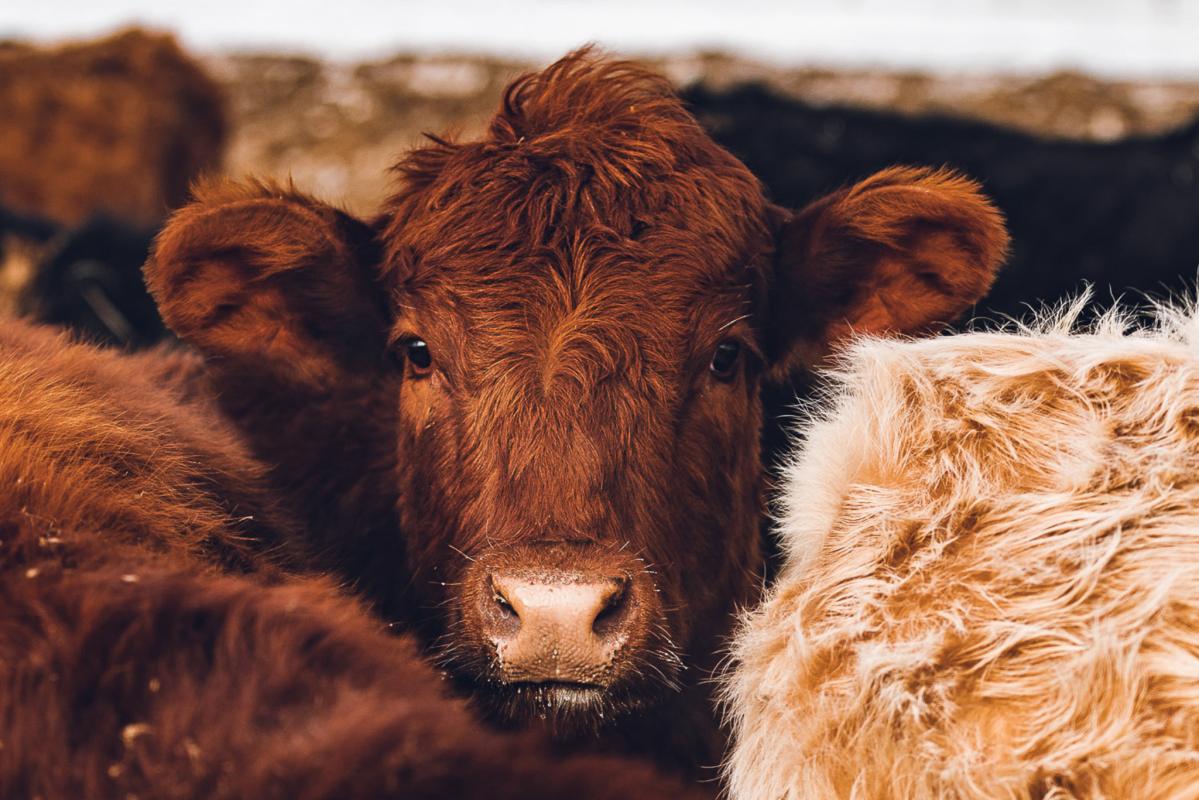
(330,92)
(112,108)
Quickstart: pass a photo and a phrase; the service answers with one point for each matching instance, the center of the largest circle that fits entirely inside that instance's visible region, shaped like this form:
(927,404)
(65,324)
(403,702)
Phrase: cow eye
(724,360)
(416,352)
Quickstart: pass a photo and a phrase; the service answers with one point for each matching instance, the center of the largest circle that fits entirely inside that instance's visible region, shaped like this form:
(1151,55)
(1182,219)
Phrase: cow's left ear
(904,251)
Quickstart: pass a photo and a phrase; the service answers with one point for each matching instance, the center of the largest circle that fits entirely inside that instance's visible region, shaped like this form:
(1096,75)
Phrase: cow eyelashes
(415,352)
(723,365)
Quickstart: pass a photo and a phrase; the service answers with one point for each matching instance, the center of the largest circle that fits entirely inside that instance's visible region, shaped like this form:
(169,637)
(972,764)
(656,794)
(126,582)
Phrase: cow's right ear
(265,281)
(904,251)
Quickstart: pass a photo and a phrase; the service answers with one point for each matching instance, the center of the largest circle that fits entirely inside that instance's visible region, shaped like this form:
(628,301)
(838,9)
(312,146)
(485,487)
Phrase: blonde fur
(992,586)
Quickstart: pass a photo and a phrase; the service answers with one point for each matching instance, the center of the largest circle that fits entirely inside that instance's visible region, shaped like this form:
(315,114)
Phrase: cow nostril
(505,608)
(608,620)
(505,619)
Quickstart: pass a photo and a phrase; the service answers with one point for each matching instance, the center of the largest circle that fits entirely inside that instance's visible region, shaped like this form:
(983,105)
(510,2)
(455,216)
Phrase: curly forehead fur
(993,575)
(585,155)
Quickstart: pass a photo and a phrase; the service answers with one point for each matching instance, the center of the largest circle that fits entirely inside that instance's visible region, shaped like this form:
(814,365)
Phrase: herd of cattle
(469,498)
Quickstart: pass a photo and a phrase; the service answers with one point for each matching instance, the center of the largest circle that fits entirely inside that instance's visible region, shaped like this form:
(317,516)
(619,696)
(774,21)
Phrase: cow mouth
(569,710)
(562,694)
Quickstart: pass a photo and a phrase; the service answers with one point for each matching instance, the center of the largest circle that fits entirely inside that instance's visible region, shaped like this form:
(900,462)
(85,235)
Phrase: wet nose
(558,626)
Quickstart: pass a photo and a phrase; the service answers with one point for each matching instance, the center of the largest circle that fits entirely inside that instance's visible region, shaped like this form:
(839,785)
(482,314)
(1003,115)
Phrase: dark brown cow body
(583,306)
(157,641)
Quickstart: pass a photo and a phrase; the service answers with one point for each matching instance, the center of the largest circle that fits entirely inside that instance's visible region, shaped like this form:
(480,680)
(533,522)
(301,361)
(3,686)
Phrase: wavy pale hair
(992,588)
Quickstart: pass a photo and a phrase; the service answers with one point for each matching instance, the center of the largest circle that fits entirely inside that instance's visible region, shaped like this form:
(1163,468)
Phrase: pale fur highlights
(992,587)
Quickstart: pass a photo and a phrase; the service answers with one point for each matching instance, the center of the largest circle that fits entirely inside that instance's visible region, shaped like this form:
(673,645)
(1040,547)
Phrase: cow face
(574,305)
(583,307)
(585,304)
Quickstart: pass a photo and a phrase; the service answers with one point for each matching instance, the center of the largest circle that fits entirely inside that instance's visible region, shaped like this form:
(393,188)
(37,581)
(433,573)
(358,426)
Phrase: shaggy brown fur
(118,126)
(154,642)
(572,273)
(276,290)
(993,576)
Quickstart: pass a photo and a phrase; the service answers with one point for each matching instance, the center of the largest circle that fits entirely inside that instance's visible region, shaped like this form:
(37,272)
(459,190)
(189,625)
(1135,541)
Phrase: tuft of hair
(992,574)
(584,89)
(588,130)
(585,108)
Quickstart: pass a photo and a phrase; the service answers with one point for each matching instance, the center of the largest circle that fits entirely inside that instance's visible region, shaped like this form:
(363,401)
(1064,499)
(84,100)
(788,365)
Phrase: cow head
(584,306)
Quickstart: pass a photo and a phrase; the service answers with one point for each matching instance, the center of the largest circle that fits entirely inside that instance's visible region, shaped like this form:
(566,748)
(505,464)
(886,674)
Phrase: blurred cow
(98,142)
(1120,215)
(120,126)
(86,278)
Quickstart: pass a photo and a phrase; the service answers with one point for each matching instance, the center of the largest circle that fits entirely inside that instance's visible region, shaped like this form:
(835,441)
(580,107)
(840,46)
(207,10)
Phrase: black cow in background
(87,278)
(1121,215)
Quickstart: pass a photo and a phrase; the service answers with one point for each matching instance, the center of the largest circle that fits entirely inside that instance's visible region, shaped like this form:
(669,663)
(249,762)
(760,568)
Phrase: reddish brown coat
(156,640)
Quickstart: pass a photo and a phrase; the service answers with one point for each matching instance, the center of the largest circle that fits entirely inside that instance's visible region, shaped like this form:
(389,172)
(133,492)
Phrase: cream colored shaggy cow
(992,586)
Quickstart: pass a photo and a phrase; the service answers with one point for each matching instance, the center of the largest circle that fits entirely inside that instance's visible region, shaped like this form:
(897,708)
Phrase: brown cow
(583,306)
(119,126)
(156,641)
(99,140)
